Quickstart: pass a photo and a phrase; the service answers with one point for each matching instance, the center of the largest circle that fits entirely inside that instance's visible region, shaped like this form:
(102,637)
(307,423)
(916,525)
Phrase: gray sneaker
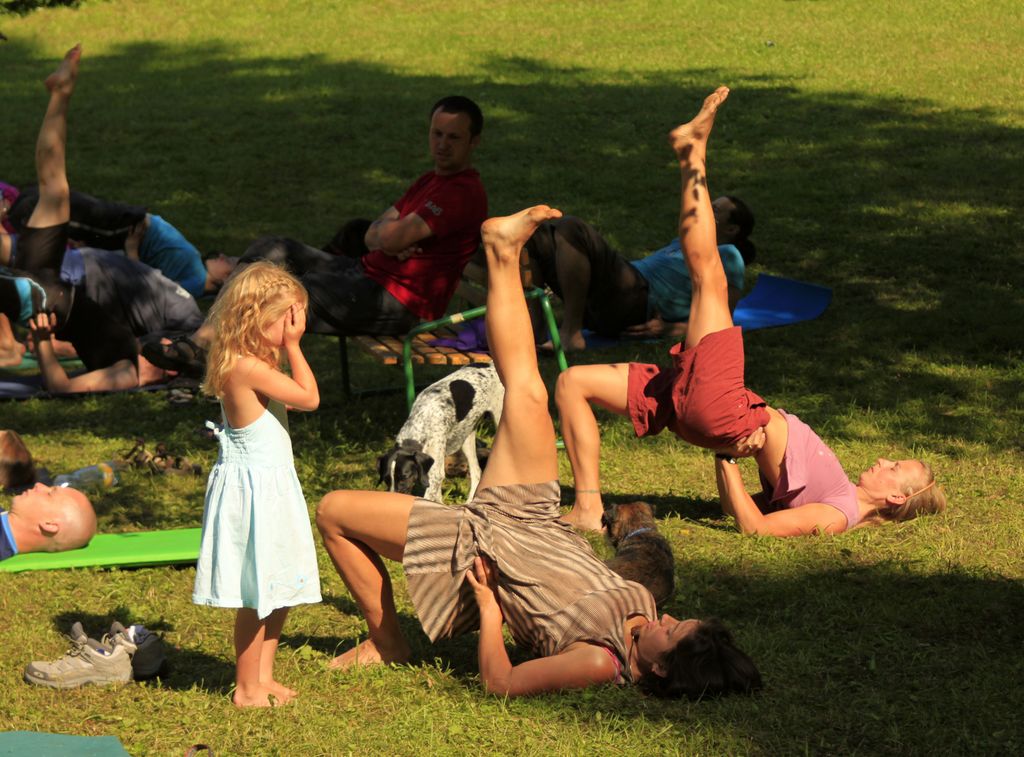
(145,648)
(87,661)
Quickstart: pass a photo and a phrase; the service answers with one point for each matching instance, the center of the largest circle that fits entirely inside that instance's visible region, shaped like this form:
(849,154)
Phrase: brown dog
(641,553)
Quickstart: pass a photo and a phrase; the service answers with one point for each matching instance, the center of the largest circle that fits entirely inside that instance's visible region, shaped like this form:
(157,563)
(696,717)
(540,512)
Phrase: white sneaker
(87,661)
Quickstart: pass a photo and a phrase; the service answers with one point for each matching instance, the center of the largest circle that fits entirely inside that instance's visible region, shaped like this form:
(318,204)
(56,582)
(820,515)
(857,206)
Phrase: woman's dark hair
(706,663)
(743,217)
(460,104)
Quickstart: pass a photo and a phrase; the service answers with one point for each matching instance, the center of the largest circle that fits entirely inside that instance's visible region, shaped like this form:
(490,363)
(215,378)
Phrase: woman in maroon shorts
(701,397)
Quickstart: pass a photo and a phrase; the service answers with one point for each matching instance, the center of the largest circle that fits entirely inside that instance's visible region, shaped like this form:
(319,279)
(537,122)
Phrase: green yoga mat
(29,362)
(116,551)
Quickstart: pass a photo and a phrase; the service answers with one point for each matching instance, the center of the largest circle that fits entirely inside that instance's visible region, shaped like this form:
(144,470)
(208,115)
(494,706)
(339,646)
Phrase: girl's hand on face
(294,324)
(484,580)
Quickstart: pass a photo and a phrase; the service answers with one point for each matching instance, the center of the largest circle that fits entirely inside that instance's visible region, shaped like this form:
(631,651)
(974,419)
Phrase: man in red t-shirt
(417,250)
(418,247)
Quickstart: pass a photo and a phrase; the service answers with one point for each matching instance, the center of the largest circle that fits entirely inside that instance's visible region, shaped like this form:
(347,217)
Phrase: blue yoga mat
(774,301)
(22,387)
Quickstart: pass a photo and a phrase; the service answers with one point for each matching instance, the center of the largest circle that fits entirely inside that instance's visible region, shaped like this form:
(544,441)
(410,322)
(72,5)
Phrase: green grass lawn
(880,145)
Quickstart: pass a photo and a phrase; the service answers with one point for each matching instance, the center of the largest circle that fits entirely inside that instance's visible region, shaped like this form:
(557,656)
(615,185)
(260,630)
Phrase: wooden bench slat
(388,350)
(472,289)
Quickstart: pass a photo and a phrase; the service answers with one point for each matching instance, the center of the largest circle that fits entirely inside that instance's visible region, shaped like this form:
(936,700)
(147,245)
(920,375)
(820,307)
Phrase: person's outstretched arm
(583,665)
(121,375)
(798,521)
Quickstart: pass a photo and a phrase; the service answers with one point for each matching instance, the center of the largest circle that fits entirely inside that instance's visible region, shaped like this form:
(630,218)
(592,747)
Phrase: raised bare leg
(606,386)
(273,626)
(357,528)
(709,307)
(524,447)
(54,206)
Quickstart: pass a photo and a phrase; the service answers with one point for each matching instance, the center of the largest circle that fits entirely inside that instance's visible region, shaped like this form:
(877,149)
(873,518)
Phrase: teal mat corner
(32,742)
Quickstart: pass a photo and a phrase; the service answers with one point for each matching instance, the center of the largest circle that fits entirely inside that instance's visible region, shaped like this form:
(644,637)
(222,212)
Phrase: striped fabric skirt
(551,586)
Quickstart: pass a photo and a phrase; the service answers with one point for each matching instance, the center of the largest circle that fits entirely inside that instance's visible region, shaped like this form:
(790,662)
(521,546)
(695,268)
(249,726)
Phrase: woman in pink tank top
(702,397)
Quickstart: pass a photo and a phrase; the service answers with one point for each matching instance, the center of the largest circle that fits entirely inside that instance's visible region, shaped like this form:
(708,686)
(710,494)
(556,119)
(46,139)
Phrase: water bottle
(99,476)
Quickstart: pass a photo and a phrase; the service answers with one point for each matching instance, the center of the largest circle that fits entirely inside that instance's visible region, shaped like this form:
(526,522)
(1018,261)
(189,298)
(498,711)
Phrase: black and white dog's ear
(424,460)
(423,465)
(384,467)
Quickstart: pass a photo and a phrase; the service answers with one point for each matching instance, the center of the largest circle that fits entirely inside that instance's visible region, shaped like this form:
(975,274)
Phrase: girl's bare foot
(697,131)
(62,81)
(280,692)
(504,236)
(251,696)
(367,653)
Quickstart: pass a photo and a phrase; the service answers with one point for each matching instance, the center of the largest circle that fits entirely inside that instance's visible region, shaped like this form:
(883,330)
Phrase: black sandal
(181,354)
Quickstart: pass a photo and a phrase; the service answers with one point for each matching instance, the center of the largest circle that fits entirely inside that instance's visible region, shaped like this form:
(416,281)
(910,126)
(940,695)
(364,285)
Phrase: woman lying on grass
(703,399)
(506,558)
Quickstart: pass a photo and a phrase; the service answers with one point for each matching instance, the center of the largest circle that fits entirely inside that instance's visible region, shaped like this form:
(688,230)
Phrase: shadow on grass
(25,7)
(875,643)
(692,508)
(183,667)
(852,191)
(334,645)
(887,647)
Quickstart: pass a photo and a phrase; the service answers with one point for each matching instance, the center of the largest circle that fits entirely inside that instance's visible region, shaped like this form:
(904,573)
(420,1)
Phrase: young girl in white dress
(257,550)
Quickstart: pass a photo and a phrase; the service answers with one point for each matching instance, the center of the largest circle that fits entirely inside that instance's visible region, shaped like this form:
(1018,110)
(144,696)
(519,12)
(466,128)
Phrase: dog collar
(634,533)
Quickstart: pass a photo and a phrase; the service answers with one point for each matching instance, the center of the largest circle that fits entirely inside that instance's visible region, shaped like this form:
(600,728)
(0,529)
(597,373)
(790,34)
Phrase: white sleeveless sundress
(257,545)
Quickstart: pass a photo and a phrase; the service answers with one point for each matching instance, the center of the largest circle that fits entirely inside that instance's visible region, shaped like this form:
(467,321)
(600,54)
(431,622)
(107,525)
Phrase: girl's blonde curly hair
(252,299)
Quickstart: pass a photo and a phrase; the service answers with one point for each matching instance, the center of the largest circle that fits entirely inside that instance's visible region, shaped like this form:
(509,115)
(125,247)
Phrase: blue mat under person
(774,301)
